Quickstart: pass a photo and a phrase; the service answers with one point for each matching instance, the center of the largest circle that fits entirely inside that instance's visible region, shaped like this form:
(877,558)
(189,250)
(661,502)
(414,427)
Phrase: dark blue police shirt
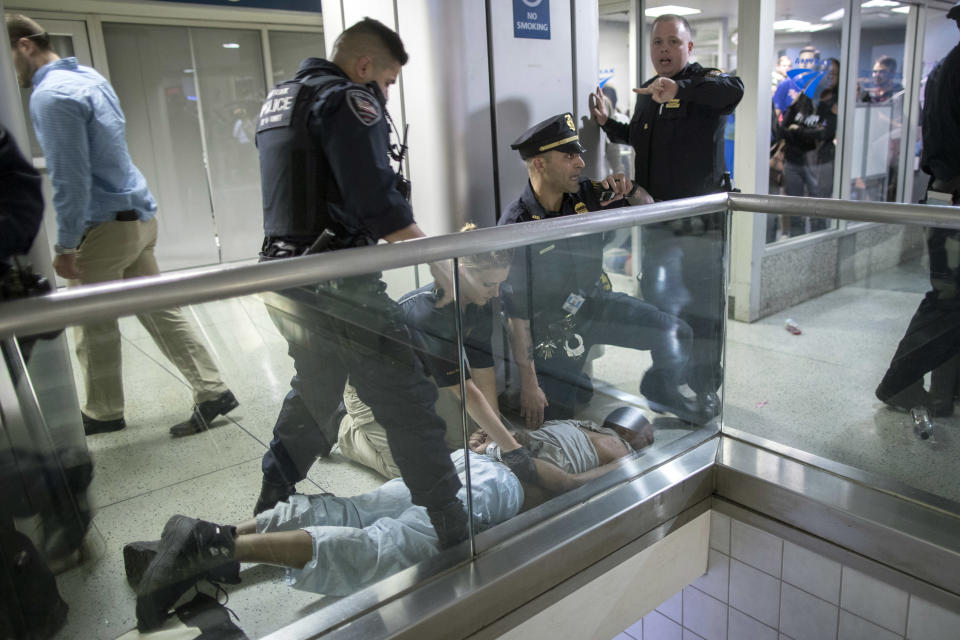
(355,137)
(941,119)
(544,274)
(435,334)
(679,144)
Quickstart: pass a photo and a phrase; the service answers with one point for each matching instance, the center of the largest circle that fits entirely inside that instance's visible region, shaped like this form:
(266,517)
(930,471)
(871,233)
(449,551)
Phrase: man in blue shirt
(106,226)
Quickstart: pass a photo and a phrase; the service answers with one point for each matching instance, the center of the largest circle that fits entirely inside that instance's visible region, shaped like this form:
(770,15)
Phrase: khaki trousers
(363,439)
(119,251)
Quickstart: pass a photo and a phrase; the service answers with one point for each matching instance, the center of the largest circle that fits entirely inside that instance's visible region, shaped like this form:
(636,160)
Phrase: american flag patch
(364,106)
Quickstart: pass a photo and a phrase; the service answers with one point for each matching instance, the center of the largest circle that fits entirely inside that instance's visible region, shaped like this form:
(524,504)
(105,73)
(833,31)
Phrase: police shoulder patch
(364,106)
(580,208)
(715,73)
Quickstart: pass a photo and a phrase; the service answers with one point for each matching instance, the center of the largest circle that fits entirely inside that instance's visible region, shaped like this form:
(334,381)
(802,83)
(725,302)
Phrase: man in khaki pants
(106,226)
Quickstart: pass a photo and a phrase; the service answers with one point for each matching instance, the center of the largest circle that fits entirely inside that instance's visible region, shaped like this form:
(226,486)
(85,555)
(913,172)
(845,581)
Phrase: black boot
(450,523)
(30,604)
(270,494)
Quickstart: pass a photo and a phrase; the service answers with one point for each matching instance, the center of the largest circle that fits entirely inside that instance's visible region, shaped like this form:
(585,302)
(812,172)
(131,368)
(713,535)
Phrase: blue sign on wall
(531,19)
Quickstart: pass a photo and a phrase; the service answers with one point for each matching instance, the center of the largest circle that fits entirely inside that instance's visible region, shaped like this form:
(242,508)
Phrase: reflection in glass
(151,70)
(289,48)
(879,112)
(231,88)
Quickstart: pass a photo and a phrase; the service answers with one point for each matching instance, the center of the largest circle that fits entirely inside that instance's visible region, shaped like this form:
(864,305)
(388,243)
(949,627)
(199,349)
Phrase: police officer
(561,302)
(932,340)
(677,134)
(327,182)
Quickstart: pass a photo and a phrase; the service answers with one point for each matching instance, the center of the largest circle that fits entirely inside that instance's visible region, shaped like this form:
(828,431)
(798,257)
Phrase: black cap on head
(954,13)
(558,133)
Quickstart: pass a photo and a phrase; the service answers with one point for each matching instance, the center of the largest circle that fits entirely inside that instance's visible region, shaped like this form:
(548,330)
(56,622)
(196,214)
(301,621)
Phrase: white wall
(759,586)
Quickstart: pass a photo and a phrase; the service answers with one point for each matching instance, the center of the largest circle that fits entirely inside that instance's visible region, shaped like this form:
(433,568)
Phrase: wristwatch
(630,194)
(64,251)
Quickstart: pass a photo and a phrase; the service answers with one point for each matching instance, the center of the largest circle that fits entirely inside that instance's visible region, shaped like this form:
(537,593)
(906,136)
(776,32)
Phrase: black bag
(18,282)
(30,604)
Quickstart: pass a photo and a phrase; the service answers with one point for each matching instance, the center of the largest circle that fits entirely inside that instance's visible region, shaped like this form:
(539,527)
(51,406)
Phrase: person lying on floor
(576,446)
(329,545)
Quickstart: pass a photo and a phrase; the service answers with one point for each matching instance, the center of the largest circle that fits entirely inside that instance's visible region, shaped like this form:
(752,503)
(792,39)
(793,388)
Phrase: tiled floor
(813,391)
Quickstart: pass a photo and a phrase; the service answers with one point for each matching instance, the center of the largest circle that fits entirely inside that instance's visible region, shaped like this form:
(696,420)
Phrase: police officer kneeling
(324,142)
(562,303)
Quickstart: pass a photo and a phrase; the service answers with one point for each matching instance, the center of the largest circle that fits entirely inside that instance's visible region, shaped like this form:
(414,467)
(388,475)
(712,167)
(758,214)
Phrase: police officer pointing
(324,142)
(677,134)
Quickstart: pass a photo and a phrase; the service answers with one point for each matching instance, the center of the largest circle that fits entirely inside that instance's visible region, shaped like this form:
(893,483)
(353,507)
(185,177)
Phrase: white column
(751,152)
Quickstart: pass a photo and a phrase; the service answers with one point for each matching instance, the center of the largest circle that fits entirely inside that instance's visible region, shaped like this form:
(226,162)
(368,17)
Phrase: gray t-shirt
(562,443)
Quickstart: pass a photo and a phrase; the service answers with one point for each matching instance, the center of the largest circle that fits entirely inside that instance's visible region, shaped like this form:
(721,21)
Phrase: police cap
(954,13)
(553,134)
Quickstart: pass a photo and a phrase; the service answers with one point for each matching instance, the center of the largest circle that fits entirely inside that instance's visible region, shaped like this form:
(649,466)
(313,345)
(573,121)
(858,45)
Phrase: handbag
(777,160)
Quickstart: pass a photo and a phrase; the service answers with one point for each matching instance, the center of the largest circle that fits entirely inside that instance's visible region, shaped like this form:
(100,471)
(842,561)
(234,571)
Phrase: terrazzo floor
(813,392)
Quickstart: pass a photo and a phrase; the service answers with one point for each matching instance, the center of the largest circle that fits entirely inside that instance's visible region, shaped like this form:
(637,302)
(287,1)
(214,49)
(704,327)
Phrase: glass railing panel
(625,322)
(338,453)
(588,356)
(861,332)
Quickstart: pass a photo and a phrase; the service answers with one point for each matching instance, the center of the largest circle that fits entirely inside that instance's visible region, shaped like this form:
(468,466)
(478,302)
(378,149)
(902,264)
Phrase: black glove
(521,464)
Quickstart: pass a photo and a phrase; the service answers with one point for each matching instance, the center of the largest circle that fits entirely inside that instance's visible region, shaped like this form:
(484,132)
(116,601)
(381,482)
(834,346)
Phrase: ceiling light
(653,12)
(901,9)
(790,25)
(836,15)
(188,70)
(230,45)
(877,4)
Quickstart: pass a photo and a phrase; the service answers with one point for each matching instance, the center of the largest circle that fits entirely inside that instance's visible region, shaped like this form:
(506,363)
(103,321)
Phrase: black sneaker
(137,556)
(189,550)
(450,523)
(271,494)
(92,426)
(204,414)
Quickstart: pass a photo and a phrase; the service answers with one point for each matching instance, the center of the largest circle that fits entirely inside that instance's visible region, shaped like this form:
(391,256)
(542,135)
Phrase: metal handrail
(93,303)
(81,305)
(857,211)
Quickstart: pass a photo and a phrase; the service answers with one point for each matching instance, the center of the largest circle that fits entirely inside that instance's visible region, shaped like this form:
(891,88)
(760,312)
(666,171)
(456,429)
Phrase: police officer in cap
(677,134)
(932,340)
(562,302)
(328,184)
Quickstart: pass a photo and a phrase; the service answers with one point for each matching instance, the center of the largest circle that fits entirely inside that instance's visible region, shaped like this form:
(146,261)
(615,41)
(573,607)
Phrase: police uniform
(561,288)
(679,153)
(327,184)
(932,340)
(435,334)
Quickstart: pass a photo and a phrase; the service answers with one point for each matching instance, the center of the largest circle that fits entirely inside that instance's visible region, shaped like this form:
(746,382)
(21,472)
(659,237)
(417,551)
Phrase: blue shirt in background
(81,128)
